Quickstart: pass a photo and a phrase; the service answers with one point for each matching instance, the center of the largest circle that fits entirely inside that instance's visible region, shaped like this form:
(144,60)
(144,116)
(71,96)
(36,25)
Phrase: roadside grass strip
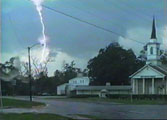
(13,103)
(32,116)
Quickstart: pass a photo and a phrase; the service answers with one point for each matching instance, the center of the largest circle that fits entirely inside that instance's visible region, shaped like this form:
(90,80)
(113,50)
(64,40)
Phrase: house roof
(103,87)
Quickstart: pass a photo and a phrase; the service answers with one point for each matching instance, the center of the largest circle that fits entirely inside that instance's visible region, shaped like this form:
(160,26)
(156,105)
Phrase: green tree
(113,64)
(8,72)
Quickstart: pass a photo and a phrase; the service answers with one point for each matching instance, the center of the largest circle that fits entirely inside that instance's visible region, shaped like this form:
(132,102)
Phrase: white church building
(152,78)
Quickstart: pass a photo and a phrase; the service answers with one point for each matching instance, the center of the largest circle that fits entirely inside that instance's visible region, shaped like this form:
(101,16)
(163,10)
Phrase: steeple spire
(153,48)
(153,34)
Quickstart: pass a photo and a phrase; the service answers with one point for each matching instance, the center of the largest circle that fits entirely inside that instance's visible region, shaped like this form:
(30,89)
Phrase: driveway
(100,110)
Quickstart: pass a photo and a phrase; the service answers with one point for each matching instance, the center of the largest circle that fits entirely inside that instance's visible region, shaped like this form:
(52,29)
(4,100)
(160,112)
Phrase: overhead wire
(91,24)
(94,15)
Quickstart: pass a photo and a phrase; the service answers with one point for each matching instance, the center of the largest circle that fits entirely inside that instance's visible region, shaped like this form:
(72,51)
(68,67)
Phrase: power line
(94,25)
(94,15)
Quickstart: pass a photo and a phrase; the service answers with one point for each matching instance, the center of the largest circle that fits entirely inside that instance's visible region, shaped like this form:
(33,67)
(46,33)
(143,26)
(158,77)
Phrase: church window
(151,50)
(157,51)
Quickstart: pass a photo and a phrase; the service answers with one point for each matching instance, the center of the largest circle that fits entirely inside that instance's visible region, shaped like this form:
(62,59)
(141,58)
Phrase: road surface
(100,110)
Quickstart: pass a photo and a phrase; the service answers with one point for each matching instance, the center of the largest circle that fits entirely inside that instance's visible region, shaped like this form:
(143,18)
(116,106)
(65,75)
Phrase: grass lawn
(20,103)
(29,116)
(121,101)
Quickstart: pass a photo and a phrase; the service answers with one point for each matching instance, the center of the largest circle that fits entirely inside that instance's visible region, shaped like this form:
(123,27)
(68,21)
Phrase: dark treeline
(42,84)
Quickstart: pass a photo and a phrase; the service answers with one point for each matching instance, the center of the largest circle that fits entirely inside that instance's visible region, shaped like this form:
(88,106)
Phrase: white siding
(79,81)
(61,89)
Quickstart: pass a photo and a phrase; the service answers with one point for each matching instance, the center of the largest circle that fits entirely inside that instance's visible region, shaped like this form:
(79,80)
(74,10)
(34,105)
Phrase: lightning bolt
(43,39)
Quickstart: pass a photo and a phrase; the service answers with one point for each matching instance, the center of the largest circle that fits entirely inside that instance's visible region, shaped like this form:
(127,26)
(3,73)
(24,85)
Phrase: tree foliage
(48,84)
(113,64)
(9,70)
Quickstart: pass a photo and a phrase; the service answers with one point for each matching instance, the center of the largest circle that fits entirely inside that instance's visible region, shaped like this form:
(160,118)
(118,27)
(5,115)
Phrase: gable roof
(159,69)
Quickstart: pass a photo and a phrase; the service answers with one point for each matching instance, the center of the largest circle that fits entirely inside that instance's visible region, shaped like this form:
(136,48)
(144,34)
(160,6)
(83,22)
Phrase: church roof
(159,68)
(153,34)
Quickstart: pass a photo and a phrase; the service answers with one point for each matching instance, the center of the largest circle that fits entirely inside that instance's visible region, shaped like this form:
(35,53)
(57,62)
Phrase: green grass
(30,116)
(12,103)
(121,101)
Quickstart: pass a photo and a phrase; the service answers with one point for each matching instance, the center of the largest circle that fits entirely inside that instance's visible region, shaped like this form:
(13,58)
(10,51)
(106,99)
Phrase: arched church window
(151,50)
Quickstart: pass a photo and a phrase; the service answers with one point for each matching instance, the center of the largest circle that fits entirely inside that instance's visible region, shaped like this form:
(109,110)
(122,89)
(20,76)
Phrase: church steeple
(153,34)
(153,48)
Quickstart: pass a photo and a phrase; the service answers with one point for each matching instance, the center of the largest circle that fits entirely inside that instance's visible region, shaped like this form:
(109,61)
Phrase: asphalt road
(100,110)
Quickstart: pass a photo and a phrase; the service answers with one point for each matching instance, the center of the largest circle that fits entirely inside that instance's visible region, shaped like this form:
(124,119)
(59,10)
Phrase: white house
(152,78)
(61,89)
(71,85)
(80,86)
(78,81)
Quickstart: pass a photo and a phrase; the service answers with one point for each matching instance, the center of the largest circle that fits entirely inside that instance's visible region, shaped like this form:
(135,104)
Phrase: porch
(149,86)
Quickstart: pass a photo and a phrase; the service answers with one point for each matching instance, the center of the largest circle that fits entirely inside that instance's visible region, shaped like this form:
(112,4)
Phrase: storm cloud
(74,39)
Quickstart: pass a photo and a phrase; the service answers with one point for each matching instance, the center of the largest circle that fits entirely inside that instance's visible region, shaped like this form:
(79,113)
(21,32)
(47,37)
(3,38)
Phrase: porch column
(164,84)
(143,86)
(133,86)
(153,86)
(136,86)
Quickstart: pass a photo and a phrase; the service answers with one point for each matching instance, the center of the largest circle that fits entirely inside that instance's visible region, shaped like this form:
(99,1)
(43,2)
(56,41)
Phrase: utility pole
(30,79)
(29,71)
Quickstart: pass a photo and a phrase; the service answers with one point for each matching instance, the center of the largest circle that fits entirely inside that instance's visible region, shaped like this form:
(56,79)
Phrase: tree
(113,64)
(69,72)
(163,57)
(8,72)
(40,68)
(142,55)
